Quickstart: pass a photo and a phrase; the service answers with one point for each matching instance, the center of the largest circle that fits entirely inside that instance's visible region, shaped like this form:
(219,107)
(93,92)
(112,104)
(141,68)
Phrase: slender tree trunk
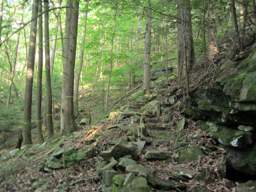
(81,63)
(39,76)
(185,43)
(254,8)
(245,20)
(53,50)
(235,23)
(67,104)
(1,17)
(212,31)
(13,72)
(49,121)
(29,76)
(147,50)
(111,62)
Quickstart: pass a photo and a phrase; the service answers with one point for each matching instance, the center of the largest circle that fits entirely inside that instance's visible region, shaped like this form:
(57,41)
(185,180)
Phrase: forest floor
(148,138)
(70,163)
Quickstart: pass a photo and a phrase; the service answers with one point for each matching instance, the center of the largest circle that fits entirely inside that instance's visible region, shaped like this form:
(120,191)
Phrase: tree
(81,61)
(29,76)
(49,121)
(67,104)
(147,50)
(235,23)
(1,17)
(185,42)
(39,75)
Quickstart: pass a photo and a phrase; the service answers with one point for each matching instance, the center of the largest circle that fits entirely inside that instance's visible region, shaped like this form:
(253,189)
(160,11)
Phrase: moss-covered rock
(191,153)
(243,161)
(227,136)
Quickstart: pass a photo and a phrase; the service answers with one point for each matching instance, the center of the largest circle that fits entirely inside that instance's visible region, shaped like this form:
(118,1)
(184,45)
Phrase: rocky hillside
(155,142)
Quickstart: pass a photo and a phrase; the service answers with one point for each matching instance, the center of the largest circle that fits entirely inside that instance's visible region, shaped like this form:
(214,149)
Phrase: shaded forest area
(128,95)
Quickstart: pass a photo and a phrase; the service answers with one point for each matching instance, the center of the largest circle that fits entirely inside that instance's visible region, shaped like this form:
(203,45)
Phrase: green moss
(189,154)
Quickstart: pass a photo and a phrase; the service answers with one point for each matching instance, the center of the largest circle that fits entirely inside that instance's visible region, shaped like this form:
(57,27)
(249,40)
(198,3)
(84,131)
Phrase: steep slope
(155,142)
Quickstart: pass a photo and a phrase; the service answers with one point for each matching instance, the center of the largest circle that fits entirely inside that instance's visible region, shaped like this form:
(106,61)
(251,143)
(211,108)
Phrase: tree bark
(1,17)
(147,50)
(185,43)
(29,76)
(212,31)
(111,62)
(39,76)
(13,71)
(67,104)
(245,20)
(235,23)
(81,63)
(49,121)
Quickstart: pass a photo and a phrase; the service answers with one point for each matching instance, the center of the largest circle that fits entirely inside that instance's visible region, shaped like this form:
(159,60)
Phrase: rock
(199,188)
(157,155)
(249,186)
(125,162)
(158,183)
(138,169)
(107,177)
(138,184)
(248,90)
(181,124)
(243,162)
(229,137)
(107,166)
(62,158)
(118,182)
(121,149)
(188,154)
(245,128)
(85,121)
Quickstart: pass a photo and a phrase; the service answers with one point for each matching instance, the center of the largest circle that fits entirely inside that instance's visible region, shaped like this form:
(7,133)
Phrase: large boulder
(243,162)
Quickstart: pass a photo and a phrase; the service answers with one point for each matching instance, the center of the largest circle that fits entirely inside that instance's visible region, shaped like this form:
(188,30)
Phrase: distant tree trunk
(39,76)
(205,7)
(147,50)
(49,121)
(29,76)
(67,104)
(12,70)
(53,50)
(254,8)
(1,17)
(111,62)
(212,31)
(185,43)
(235,23)
(81,63)
(245,20)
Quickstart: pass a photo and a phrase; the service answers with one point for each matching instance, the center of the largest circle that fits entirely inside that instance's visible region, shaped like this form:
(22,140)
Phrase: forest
(128,95)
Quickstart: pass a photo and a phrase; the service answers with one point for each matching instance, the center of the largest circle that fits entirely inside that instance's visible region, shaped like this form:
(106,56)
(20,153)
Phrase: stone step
(158,126)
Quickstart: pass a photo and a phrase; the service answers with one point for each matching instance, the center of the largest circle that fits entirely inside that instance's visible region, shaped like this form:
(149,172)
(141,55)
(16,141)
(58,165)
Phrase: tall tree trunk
(67,104)
(81,63)
(254,8)
(212,31)
(29,76)
(235,23)
(111,62)
(49,121)
(1,17)
(245,20)
(13,71)
(147,50)
(39,76)
(53,49)
(185,43)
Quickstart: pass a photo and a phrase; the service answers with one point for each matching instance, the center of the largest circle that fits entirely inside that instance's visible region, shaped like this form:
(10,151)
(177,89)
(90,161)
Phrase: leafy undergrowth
(70,163)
